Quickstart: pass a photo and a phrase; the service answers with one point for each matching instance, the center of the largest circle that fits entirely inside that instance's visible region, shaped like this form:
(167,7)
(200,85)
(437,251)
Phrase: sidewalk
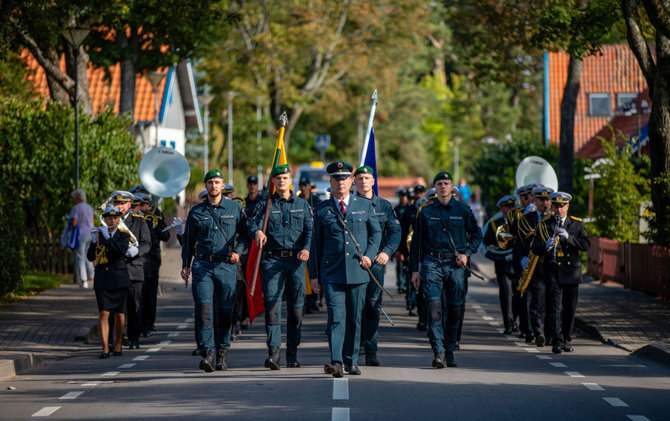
(630,320)
(60,321)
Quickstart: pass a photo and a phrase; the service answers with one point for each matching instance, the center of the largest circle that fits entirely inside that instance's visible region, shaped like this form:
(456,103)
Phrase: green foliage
(12,240)
(37,146)
(13,82)
(617,195)
(654,230)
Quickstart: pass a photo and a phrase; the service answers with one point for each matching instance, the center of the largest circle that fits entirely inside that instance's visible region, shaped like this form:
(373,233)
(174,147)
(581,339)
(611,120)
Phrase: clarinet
(555,238)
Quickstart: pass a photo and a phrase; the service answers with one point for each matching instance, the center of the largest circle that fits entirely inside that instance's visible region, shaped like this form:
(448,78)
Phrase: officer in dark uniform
(135,263)
(502,259)
(390,226)
(253,196)
(414,298)
(342,267)
(400,270)
(218,227)
(440,245)
(305,186)
(562,269)
(285,251)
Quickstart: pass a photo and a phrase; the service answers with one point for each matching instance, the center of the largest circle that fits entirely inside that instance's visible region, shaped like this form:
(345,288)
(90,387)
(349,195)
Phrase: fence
(45,254)
(642,267)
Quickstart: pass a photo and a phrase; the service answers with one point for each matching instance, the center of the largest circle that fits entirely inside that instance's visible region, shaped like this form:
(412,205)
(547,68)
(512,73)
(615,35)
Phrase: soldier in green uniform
(346,240)
(390,227)
(441,246)
(218,227)
(285,250)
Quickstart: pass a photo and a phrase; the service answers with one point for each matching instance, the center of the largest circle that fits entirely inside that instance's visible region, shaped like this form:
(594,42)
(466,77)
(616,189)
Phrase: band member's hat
(442,175)
(304,181)
(202,195)
(228,188)
(364,170)
(213,174)
(419,189)
(560,197)
(542,192)
(340,169)
(252,179)
(141,199)
(280,169)
(431,194)
(523,190)
(508,200)
(138,188)
(121,196)
(111,211)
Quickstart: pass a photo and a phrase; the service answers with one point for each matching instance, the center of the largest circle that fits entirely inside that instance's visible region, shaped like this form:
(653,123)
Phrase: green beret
(213,174)
(280,169)
(442,175)
(364,170)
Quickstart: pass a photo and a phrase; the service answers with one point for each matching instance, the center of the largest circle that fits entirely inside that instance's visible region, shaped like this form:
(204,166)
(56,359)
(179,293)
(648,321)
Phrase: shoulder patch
(137,216)
(575,218)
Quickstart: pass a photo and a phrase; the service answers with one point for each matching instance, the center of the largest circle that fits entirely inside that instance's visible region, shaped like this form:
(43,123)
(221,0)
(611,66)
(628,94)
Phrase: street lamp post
(154,79)
(230,95)
(259,136)
(457,143)
(75,37)
(205,99)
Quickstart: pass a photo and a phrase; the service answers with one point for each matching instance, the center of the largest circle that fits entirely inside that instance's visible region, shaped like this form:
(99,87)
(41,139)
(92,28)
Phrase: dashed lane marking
(89,384)
(46,411)
(154,349)
(127,365)
(173,334)
(637,418)
(189,320)
(165,343)
(340,389)
(574,374)
(521,344)
(593,386)
(111,373)
(140,358)
(544,357)
(487,318)
(340,414)
(72,395)
(558,365)
(476,306)
(533,350)
(615,402)
(181,327)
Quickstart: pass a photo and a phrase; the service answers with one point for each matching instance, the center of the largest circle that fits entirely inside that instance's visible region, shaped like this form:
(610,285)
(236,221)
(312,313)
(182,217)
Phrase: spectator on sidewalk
(477,207)
(464,190)
(81,216)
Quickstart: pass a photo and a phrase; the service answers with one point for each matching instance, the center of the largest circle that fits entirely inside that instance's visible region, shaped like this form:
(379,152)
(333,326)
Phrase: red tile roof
(104,92)
(615,71)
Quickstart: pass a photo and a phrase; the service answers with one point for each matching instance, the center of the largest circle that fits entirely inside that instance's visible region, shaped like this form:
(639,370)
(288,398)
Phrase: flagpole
(284,122)
(373,108)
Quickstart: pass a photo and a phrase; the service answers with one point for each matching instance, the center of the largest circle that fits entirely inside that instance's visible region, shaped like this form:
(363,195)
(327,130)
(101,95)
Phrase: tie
(560,223)
(342,208)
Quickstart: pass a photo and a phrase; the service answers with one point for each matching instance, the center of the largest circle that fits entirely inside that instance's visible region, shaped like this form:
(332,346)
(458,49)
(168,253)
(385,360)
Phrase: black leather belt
(442,255)
(213,258)
(282,253)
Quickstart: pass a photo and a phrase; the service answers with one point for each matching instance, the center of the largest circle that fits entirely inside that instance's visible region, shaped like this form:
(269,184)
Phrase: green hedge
(12,240)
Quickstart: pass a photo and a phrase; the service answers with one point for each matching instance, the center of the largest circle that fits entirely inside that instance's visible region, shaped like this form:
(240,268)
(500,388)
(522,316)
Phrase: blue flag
(369,158)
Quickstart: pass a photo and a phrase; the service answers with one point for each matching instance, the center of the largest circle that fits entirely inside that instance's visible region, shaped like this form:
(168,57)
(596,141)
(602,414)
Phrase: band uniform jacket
(138,226)
(336,258)
(156,224)
(567,263)
(522,244)
(501,258)
(111,271)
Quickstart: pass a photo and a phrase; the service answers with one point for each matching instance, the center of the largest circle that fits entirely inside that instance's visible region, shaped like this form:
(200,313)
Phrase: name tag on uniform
(380,213)
(205,218)
(296,210)
(276,211)
(434,218)
(227,216)
(455,217)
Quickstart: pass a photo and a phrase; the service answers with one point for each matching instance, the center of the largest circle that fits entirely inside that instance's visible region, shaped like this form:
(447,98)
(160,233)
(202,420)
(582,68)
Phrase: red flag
(254,303)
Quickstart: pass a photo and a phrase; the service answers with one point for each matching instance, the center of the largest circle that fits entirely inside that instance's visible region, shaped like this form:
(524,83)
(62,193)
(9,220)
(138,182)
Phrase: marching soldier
(400,270)
(502,258)
(440,245)
(285,251)
(562,268)
(414,298)
(253,196)
(390,241)
(218,227)
(346,240)
(305,186)
(135,263)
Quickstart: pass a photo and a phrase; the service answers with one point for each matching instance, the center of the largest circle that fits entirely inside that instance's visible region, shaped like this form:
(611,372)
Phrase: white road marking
(510,337)
(340,414)
(615,402)
(140,358)
(72,395)
(111,373)
(127,365)
(593,386)
(544,357)
(574,374)
(154,349)
(340,388)
(476,306)
(165,343)
(89,384)
(189,320)
(521,344)
(637,418)
(173,334)
(533,350)
(494,323)
(487,318)
(558,365)
(180,327)
(46,411)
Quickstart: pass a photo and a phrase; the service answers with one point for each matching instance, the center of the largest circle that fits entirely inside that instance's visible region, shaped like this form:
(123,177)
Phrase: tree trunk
(128,73)
(566,149)
(292,122)
(659,141)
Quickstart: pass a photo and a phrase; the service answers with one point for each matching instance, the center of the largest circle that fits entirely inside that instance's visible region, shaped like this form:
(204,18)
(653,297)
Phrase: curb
(655,352)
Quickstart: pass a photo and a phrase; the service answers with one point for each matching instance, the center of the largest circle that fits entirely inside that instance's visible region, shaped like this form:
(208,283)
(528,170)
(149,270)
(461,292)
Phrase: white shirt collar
(346,200)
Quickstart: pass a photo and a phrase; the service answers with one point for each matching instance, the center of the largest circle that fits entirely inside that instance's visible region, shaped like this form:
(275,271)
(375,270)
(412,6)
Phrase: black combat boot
(451,362)
(207,362)
(371,360)
(438,361)
(221,363)
(273,362)
(292,356)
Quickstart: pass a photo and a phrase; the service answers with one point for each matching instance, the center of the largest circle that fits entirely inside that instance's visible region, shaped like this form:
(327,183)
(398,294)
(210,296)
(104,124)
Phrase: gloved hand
(94,235)
(530,208)
(509,257)
(179,229)
(105,232)
(550,243)
(525,261)
(562,233)
(132,251)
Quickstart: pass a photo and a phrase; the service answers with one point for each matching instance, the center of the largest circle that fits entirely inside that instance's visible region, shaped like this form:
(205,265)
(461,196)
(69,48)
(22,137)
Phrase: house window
(163,143)
(173,144)
(624,98)
(599,105)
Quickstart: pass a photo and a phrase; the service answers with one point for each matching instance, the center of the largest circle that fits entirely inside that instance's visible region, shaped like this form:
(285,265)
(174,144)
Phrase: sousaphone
(164,172)
(533,169)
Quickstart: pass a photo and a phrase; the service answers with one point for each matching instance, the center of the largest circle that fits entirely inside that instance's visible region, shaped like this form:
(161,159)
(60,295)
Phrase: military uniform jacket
(389,224)
(111,271)
(156,225)
(289,224)
(407,221)
(567,265)
(499,257)
(250,206)
(432,227)
(336,258)
(202,235)
(523,245)
(138,226)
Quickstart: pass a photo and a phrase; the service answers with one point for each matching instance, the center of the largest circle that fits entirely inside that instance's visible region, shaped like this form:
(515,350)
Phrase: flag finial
(283,119)
(374,97)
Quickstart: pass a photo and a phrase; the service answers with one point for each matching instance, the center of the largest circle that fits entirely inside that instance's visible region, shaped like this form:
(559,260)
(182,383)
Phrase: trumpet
(123,228)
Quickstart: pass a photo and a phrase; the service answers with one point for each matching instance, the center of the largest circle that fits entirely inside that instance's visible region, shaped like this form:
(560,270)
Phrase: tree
(656,70)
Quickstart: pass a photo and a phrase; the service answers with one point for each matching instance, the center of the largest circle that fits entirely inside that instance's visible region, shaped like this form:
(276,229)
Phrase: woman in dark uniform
(107,252)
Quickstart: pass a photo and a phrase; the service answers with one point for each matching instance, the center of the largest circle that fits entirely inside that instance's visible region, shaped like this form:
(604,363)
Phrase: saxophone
(528,272)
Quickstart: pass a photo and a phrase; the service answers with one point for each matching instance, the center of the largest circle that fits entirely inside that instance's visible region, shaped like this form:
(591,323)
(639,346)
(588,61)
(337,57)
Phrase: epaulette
(321,204)
(575,218)
(138,216)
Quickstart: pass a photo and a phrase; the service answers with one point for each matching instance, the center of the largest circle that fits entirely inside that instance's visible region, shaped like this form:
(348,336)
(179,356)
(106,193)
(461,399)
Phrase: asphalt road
(498,378)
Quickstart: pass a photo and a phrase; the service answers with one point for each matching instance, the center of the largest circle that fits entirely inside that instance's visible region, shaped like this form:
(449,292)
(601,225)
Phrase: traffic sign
(322,142)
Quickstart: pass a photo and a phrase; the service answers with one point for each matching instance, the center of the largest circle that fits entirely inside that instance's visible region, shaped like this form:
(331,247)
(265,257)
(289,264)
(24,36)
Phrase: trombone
(121,226)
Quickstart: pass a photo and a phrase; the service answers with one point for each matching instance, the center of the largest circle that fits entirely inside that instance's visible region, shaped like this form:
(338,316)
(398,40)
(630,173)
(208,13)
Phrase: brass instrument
(503,237)
(527,273)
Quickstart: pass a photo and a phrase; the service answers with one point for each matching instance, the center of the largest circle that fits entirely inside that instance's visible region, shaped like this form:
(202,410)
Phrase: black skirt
(113,300)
